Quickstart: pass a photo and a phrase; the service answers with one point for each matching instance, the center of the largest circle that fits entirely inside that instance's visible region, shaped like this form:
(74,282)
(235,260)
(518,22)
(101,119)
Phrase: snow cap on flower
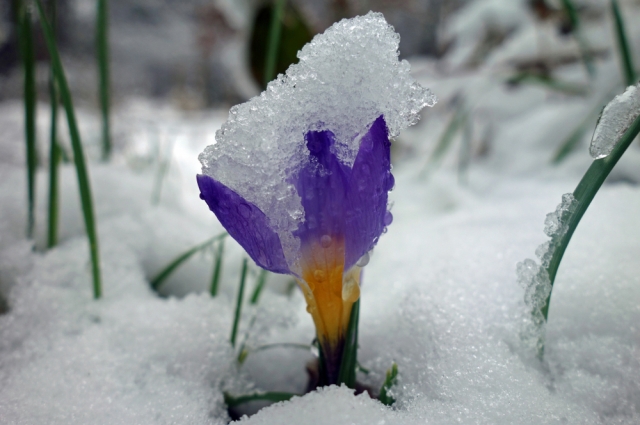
(349,87)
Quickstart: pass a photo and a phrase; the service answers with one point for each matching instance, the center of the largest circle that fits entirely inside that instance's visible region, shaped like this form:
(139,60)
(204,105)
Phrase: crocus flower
(299,175)
(345,212)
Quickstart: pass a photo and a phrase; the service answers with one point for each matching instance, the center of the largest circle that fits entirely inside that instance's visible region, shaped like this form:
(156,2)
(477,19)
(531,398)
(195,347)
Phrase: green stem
(262,280)
(274,41)
(584,194)
(78,154)
(574,19)
(102,48)
(27,54)
(217,269)
(389,382)
(347,374)
(159,279)
(629,72)
(54,151)
(238,312)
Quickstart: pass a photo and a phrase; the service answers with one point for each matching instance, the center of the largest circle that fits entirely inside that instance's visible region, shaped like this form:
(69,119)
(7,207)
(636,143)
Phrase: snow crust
(615,120)
(346,78)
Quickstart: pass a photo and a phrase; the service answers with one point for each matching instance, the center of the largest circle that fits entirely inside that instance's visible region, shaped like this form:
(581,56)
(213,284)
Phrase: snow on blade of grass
(615,120)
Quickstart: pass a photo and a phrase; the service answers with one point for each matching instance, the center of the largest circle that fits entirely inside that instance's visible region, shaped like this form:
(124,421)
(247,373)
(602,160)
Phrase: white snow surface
(440,296)
(346,78)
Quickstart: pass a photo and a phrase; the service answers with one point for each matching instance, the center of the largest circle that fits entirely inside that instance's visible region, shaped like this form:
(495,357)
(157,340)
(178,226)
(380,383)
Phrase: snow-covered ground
(440,295)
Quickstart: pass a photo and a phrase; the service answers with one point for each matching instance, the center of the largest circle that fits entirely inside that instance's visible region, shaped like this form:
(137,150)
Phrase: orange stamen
(329,292)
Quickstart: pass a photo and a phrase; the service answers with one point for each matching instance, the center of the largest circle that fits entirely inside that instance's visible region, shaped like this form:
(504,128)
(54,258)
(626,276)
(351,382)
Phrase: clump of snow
(330,405)
(616,118)
(345,79)
(534,277)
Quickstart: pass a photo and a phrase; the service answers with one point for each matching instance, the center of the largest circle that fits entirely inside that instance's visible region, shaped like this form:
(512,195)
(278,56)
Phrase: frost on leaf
(615,120)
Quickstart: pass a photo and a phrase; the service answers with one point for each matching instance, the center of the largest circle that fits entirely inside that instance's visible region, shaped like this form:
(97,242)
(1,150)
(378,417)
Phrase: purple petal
(370,181)
(245,223)
(322,186)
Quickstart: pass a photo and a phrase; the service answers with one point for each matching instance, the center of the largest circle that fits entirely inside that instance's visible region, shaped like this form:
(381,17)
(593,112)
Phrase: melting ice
(616,118)
(533,276)
(346,78)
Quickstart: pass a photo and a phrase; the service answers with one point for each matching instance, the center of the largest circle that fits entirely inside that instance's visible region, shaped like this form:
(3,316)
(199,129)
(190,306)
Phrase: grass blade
(464,158)
(274,41)
(628,69)
(347,374)
(217,269)
(574,19)
(569,88)
(232,401)
(27,55)
(255,296)
(570,143)
(390,381)
(238,312)
(54,150)
(159,279)
(458,119)
(262,280)
(102,48)
(584,194)
(78,154)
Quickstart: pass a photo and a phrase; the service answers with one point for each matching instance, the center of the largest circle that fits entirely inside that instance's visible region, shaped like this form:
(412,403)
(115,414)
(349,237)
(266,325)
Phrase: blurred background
(203,53)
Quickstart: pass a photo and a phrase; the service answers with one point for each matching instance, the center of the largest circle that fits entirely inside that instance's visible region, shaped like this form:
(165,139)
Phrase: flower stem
(347,374)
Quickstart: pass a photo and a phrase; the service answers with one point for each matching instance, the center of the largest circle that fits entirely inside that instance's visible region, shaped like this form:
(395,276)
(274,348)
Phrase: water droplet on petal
(244,210)
(390,182)
(202,196)
(388,218)
(325,241)
(364,260)
(350,290)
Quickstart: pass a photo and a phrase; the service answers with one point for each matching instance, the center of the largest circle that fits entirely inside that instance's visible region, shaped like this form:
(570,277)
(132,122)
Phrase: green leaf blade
(238,311)
(27,55)
(584,193)
(391,380)
(78,152)
(628,68)
(102,49)
(348,365)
